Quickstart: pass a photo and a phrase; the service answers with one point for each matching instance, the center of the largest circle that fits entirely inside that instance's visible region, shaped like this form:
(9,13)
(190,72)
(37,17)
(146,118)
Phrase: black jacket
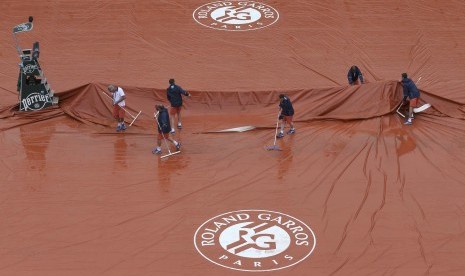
(410,89)
(174,94)
(286,107)
(354,75)
(164,121)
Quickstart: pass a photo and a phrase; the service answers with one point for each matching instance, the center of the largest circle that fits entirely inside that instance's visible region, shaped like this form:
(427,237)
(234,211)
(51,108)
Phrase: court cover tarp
(382,198)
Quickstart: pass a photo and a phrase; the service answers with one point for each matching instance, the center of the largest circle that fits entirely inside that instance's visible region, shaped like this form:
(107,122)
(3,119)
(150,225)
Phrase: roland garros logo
(236,15)
(254,240)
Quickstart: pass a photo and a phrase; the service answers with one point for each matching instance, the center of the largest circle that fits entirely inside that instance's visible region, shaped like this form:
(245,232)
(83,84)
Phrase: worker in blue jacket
(411,92)
(354,75)
(174,94)
(163,126)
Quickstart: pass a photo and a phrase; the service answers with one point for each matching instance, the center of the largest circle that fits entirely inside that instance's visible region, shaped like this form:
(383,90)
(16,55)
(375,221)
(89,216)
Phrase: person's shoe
(408,123)
(123,127)
(179,126)
(280,135)
(118,128)
(173,131)
(291,131)
(178,146)
(156,151)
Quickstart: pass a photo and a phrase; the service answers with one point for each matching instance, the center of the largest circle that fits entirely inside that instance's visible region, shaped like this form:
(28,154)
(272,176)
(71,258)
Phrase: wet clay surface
(77,198)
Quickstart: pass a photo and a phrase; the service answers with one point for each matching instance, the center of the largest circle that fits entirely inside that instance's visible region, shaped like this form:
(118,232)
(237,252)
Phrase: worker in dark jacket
(174,93)
(412,93)
(354,75)
(286,114)
(164,127)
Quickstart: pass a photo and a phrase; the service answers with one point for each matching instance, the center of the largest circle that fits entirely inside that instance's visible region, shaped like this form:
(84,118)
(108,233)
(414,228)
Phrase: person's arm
(280,110)
(360,75)
(405,92)
(349,77)
(415,87)
(168,94)
(121,94)
(185,93)
(159,120)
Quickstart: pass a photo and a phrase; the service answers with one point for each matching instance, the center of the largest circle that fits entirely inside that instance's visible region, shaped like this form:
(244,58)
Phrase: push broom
(274,146)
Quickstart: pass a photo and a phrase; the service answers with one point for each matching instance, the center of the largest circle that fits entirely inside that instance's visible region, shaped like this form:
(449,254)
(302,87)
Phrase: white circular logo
(236,15)
(254,240)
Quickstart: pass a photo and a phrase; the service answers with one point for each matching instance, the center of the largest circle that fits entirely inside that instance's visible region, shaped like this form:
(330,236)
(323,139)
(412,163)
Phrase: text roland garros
(255,240)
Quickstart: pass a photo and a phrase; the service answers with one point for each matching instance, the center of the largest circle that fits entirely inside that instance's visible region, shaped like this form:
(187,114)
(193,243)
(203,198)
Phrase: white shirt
(118,95)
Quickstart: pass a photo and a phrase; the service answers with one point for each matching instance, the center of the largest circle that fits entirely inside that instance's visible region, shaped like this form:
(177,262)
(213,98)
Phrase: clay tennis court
(378,197)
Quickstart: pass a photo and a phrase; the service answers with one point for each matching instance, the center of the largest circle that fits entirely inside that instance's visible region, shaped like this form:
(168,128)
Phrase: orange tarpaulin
(353,192)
